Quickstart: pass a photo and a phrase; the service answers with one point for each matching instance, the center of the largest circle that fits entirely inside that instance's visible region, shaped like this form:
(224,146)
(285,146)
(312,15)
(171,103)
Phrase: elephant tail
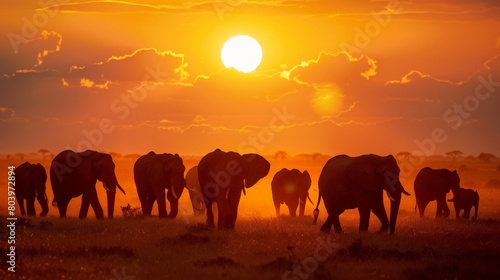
(316,211)
(308,197)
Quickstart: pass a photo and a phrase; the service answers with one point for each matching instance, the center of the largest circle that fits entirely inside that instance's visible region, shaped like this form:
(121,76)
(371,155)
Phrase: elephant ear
(362,173)
(257,168)
(97,160)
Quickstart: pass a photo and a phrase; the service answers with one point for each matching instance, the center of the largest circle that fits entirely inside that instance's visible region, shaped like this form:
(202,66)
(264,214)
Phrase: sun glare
(242,53)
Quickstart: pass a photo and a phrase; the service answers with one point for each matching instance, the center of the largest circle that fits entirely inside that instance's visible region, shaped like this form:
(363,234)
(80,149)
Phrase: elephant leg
(364,217)
(457,210)
(292,208)
(442,207)
(148,206)
(380,213)
(84,208)
(277,208)
(161,202)
(332,219)
(467,211)
(42,200)
(327,226)
(197,203)
(146,211)
(421,208)
(30,206)
(223,207)
(302,207)
(174,205)
(21,205)
(63,207)
(234,200)
(210,215)
(94,201)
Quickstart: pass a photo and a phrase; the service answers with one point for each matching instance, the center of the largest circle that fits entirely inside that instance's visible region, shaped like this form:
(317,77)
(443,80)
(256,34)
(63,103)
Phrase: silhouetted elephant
(465,201)
(193,186)
(222,176)
(433,184)
(30,184)
(73,174)
(291,187)
(153,173)
(358,182)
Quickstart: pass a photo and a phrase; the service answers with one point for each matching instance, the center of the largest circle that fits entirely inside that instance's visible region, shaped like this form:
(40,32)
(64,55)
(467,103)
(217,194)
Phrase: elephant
(73,174)
(30,184)
(433,184)
(153,173)
(291,187)
(358,182)
(193,186)
(465,201)
(223,176)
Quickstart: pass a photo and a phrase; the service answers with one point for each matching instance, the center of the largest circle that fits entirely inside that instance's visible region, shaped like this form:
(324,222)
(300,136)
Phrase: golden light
(327,100)
(242,53)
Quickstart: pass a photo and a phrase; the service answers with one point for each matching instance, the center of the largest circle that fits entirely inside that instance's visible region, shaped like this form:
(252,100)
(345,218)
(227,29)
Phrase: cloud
(416,75)
(141,65)
(45,36)
(338,68)
(32,53)
(6,113)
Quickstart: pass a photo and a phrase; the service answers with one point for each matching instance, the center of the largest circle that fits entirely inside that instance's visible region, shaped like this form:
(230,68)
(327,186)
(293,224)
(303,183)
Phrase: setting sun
(242,53)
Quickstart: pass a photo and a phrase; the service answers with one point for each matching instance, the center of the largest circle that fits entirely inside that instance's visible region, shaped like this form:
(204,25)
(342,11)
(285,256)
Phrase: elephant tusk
(173,193)
(405,192)
(244,192)
(390,196)
(105,187)
(120,188)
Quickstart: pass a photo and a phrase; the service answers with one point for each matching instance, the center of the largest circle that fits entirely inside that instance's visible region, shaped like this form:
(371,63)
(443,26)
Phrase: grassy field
(261,246)
(258,248)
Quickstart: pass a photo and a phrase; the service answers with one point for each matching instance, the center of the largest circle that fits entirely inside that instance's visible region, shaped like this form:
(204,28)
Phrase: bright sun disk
(242,53)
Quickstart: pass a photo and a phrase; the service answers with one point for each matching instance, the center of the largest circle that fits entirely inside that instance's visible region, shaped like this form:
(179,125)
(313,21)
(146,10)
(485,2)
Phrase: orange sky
(363,77)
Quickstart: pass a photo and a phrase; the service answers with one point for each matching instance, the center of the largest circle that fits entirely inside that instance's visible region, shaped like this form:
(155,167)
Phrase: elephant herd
(344,183)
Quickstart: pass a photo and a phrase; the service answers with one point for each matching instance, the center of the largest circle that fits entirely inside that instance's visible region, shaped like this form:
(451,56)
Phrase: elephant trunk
(111,194)
(394,215)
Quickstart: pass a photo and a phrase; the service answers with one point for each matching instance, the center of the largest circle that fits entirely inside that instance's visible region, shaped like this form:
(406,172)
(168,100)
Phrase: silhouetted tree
(454,154)
(43,152)
(316,156)
(280,155)
(486,157)
(404,155)
(115,155)
(132,156)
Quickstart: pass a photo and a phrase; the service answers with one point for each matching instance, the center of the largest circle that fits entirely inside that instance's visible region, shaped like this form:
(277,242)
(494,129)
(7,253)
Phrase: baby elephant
(465,201)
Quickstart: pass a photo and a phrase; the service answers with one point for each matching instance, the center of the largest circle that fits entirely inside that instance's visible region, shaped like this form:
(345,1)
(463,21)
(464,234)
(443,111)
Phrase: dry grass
(173,249)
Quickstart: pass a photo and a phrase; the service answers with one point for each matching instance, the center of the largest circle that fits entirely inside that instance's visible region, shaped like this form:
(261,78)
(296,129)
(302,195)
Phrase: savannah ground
(262,246)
